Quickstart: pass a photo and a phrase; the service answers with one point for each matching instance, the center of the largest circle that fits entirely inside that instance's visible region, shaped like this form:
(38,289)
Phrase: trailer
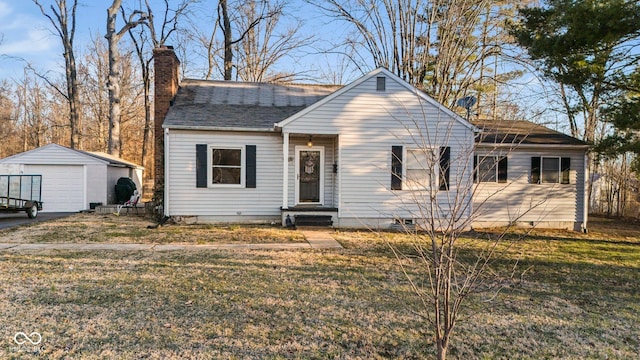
(21,193)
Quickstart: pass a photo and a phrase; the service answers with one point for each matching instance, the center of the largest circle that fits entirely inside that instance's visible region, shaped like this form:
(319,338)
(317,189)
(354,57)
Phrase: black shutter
(535,170)
(475,168)
(396,168)
(502,170)
(250,162)
(445,154)
(565,165)
(201,165)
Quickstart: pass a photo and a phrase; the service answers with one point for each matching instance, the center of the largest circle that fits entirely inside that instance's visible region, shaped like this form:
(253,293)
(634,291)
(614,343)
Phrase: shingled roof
(207,104)
(521,132)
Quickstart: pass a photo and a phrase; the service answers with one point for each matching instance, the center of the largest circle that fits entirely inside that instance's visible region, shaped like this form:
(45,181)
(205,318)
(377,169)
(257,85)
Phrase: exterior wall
(209,204)
(330,158)
(11,169)
(96,184)
(539,205)
(369,123)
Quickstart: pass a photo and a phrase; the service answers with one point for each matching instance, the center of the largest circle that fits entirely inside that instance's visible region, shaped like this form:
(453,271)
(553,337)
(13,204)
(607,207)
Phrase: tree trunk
(72,88)
(112,79)
(442,352)
(147,135)
(228,41)
(66,32)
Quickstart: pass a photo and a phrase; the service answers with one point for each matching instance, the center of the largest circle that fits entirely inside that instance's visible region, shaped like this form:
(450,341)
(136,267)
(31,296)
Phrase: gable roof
(64,155)
(521,132)
(231,105)
(368,76)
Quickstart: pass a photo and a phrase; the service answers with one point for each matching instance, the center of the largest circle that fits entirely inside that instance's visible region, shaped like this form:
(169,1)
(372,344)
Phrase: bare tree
(264,44)
(65,25)
(389,31)
(33,112)
(94,71)
(225,23)
(8,124)
(113,37)
(432,44)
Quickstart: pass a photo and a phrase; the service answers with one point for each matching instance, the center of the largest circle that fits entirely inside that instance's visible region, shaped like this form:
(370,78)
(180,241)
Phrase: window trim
(243,166)
(435,169)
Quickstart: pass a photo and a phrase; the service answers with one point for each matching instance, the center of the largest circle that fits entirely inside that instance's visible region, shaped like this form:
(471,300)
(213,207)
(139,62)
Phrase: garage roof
(54,154)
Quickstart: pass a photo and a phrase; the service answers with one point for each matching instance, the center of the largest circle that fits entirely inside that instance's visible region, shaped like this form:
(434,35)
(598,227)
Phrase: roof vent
(381,83)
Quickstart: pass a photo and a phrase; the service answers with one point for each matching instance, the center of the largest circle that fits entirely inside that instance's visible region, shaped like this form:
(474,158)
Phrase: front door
(309,174)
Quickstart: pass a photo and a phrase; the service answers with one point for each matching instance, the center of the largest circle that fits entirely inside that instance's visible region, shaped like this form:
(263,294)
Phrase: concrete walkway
(320,238)
(316,239)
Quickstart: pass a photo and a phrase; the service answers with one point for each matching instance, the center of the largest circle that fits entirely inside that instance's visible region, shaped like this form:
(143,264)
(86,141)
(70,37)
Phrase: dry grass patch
(577,298)
(95,228)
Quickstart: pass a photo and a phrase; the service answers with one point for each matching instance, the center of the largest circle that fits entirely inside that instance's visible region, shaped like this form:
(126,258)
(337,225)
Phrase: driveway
(11,220)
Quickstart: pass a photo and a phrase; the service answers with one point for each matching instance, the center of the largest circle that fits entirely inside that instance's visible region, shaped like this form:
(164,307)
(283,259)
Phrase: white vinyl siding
(63,187)
(369,123)
(519,200)
(184,199)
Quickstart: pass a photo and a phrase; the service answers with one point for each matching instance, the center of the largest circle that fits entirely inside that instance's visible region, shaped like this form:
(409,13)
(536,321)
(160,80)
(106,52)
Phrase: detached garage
(72,179)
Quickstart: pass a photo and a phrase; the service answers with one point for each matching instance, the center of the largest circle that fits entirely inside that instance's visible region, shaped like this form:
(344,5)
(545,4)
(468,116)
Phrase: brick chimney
(166,70)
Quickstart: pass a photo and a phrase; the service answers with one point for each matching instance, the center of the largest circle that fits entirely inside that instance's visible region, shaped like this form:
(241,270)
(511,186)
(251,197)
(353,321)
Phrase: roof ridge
(261,83)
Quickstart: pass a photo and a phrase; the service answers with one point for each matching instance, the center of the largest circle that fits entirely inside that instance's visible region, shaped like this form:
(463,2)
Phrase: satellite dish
(467,102)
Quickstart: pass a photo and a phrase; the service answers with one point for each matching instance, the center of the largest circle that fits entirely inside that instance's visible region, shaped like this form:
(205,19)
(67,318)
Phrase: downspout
(339,180)
(85,201)
(165,200)
(585,193)
(285,170)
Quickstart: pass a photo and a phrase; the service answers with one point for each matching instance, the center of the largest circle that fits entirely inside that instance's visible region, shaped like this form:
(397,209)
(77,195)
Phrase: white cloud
(31,42)
(21,34)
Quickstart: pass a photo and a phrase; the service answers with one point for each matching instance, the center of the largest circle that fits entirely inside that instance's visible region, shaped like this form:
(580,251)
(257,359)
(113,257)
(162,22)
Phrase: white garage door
(62,186)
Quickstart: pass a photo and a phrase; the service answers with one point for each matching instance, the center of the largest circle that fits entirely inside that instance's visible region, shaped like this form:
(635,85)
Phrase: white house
(373,153)
(72,179)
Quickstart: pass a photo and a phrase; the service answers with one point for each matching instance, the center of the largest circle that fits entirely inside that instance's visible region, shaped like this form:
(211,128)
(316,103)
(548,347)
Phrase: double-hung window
(419,168)
(226,166)
(490,169)
(550,170)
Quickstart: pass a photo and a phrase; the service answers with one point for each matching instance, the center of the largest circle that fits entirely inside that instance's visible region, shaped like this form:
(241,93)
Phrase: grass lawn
(95,228)
(578,297)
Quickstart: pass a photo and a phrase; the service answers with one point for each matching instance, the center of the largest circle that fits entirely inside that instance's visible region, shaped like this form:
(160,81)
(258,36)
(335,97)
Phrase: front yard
(576,296)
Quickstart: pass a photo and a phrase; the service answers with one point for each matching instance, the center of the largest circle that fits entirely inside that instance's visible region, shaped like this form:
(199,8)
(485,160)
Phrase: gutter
(534,146)
(218,128)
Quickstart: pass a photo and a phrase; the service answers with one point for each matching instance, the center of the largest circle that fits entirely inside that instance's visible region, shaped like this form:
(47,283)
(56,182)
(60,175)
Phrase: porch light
(310,142)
